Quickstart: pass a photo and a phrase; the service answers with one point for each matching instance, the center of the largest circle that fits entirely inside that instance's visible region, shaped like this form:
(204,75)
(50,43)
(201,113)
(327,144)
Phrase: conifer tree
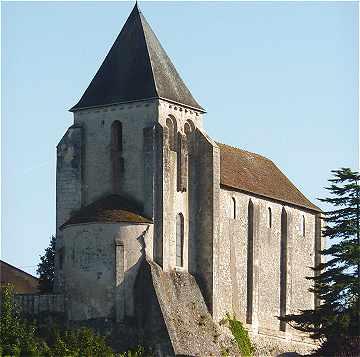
(46,268)
(336,281)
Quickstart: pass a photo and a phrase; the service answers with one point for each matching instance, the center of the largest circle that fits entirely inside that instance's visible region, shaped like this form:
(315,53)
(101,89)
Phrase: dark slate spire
(136,68)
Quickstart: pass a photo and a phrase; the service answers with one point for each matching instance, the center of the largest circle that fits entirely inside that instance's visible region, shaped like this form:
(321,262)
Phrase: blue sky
(276,78)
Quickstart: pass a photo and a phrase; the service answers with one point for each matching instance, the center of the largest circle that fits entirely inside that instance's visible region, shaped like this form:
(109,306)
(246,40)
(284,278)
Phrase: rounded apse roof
(109,209)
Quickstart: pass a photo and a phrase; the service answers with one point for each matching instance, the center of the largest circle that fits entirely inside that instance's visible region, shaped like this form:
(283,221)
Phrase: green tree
(18,337)
(46,268)
(80,343)
(337,281)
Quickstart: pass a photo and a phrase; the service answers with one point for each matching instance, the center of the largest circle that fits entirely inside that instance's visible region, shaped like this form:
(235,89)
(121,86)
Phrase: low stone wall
(34,304)
(268,345)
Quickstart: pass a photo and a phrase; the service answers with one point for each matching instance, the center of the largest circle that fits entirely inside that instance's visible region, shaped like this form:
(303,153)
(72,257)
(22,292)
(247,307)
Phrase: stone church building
(161,229)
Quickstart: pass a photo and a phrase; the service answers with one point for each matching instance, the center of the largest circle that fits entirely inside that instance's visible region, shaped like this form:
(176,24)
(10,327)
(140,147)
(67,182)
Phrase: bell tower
(130,138)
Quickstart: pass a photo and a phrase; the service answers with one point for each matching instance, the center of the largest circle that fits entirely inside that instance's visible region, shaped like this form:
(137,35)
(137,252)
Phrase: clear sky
(276,78)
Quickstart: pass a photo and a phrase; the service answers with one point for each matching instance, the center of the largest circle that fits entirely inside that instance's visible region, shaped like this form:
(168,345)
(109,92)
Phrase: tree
(46,268)
(336,281)
(18,337)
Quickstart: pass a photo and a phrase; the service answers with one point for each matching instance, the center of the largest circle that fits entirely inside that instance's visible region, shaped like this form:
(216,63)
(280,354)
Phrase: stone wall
(68,187)
(204,188)
(149,172)
(181,113)
(234,290)
(96,124)
(34,304)
(269,345)
(100,266)
(172,184)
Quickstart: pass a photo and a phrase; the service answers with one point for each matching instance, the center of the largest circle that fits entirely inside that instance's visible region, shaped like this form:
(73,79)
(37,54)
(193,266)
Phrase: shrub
(80,343)
(18,337)
(138,352)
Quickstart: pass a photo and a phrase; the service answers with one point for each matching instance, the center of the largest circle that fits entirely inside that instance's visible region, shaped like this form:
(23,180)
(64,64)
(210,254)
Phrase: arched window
(116,136)
(179,239)
(233,208)
(189,127)
(250,264)
(172,131)
(117,161)
(283,267)
(303,226)
(269,217)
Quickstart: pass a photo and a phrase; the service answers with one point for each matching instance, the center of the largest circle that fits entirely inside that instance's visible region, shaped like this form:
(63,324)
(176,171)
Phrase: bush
(19,337)
(80,343)
(240,335)
(138,352)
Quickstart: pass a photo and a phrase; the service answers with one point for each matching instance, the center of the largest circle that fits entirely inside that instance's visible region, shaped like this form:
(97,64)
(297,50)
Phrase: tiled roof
(23,282)
(256,174)
(110,209)
(136,68)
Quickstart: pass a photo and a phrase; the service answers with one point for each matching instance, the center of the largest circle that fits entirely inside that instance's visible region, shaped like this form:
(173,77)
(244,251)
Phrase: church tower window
(189,127)
(283,267)
(172,133)
(117,162)
(116,136)
(179,239)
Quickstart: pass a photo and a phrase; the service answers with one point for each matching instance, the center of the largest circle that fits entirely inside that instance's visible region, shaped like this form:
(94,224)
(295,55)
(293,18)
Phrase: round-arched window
(116,136)
(172,131)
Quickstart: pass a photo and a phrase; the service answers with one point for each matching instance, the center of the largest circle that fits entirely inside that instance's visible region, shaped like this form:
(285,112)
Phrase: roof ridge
(141,16)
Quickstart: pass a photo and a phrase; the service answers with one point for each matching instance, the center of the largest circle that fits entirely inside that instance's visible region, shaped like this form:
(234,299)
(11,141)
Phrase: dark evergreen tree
(46,268)
(336,281)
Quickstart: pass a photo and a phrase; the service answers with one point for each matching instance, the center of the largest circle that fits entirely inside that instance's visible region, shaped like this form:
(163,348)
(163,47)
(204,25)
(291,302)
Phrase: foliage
(240,335)
(46,268)
(138,352)
(336,281)
(21,338)
(345,347)
(17,336)
(79,343)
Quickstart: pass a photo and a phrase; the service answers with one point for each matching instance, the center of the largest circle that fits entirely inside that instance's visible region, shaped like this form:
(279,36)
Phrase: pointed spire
(136,68)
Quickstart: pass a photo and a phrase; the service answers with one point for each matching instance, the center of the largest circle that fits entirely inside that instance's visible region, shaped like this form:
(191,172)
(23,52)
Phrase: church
(161,230)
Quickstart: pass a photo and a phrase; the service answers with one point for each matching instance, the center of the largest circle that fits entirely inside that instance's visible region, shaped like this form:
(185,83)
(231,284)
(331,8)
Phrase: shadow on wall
(289,354)
(149,319)
(126,280)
